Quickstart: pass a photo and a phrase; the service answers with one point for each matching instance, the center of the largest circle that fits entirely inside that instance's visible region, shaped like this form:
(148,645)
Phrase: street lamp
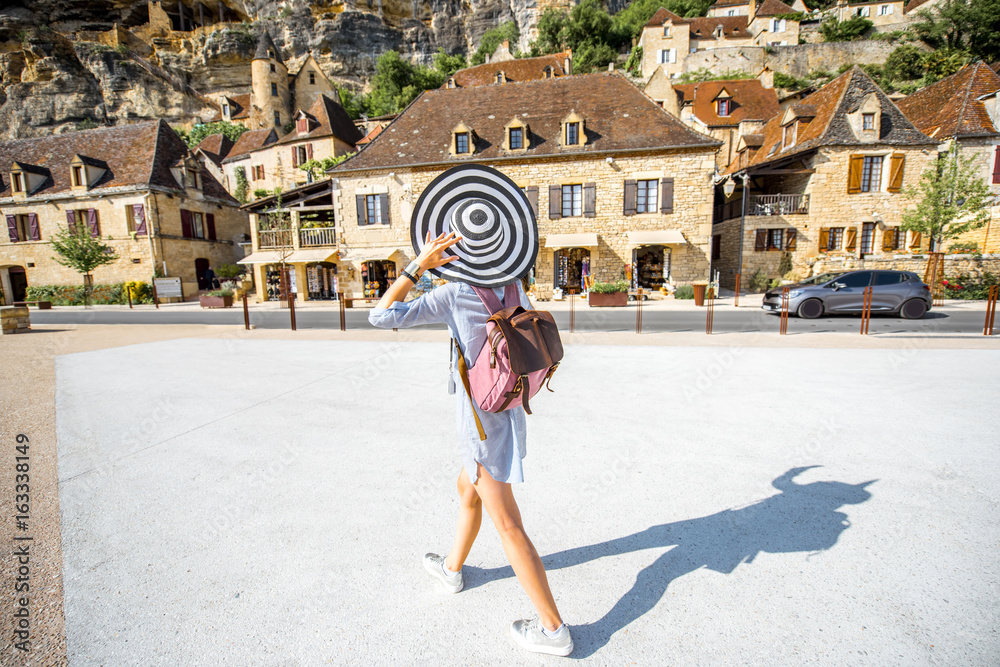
(729,188)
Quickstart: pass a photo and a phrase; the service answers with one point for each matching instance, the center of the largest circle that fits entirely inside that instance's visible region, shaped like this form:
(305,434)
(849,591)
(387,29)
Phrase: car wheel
(913,309)
(810,309)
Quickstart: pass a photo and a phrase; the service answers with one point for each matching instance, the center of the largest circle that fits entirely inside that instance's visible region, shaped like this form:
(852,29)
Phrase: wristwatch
(413,268)
(409,275)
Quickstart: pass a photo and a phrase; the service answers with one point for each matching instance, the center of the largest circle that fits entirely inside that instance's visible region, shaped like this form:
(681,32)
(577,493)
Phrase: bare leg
(470,517)
(498,499)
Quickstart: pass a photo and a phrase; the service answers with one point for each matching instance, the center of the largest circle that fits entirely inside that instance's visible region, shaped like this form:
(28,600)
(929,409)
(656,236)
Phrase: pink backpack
(521,353)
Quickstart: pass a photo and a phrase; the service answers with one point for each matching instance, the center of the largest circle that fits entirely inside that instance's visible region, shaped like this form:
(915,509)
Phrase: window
(835,238)
(78,176)
(302,125)
(301,154)
(17,182)
(722,107)
(863,11)
(83,219)
(257,172)
(225,111)
(888,278)
(23,228)
(717,247)
(871,173)
(312,78)
(373,209)
(274,89)
(645,196)
(777,25)
(774,239)
(996,166)
(461,142)
(867,238)
(273,68)
(500,78)
(198,225)
(547,72)
(516,139)
(884,10)
(572,200)
(788,133)
(858,279)
(892,239)
(572,134)
(867,121)
(191,180)
(666,31)
(277,119)
(666,56)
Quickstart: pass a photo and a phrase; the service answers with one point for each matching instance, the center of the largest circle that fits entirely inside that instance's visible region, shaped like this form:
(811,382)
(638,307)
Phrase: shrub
(220,292)
(73,295)
(684,292)
(759,281)
(905,63)
(966,287)
(229,271)
(141,292)
(970,247)
(790,82)
(609,288)
(852,29)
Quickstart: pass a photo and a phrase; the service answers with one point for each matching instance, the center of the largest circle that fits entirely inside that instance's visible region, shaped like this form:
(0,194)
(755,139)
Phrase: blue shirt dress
(458,306)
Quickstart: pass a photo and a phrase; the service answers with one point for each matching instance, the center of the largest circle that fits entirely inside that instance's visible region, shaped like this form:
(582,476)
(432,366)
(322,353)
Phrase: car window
(888,278)
(859,279)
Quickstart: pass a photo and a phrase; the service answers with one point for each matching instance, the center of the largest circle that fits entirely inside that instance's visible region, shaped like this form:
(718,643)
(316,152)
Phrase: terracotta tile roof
(773,8)
(133,155)
(732,26)
(215,147)
(753,139)
(377,130)
(251,140)
(520,69)
(830,125)
(951,106)
(730,3)
(332,121)
(617,117)
(660,17)
(913,5)
(239,108)
(751,101)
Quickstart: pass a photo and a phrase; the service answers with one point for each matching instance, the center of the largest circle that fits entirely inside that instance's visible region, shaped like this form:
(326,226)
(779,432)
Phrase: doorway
(572,269)
(18,283)
(376,276)
(650,267)
(200,267)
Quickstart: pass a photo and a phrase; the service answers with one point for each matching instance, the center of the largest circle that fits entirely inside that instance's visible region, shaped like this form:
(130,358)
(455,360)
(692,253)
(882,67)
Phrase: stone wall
(14,319)
(794,60)
(277,163)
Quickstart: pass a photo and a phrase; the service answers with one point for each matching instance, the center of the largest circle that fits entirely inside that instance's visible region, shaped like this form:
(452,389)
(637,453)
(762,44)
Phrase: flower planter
(216,301)
(596,299)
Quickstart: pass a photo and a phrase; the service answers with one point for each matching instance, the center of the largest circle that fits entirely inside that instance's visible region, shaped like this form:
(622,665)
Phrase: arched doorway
(376,276)
(200,267)
(572,268)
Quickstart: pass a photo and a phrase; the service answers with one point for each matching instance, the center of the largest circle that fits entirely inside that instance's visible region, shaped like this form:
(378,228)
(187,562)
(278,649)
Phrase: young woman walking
(476,227)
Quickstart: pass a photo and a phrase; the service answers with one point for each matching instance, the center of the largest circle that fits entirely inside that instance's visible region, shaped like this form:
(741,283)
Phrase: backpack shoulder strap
(511,297)
(463,370)
(489,299)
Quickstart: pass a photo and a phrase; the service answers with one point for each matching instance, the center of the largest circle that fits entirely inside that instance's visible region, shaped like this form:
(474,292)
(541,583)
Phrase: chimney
(766,77)
(568,62)
(506,45)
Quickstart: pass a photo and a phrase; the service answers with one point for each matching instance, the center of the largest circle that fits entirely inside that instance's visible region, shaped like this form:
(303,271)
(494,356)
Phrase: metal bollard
(991,310)
(638,311)
(866,310)
(246,313)
(156,299)
(784,310)
(343,314)
(736,304)
(572,311)
(710,312)
(129,292)
(291,308)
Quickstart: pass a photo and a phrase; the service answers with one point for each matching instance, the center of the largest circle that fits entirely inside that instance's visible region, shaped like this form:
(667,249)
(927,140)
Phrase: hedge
(72,295)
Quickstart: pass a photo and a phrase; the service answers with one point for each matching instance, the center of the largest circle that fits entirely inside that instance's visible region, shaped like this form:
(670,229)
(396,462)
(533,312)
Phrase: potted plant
(608,294)
(220,298)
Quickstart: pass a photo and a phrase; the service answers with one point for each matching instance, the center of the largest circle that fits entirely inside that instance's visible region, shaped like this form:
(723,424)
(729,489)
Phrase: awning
(368,254)
(312,255)
(571,241)
(662,237)
(263,257)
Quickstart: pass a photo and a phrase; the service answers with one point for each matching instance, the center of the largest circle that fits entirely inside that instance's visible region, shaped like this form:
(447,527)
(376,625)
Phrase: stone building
(964,108)
(824,182)
(667,38)
(137,187)
(742,7)
(723,109)
(504,68)
(238,158)
(879,12)
(212,150)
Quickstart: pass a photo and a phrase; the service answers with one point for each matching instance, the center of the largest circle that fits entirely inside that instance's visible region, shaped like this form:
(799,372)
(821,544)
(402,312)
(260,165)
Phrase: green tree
(587,29)
(448,64)
(905,63)
(850,30)
(231,131)
(962,25)
(353,103)
(951,198)
(83,253)
(943,62)
(242,185)
(319,167)
(492,38)
(397,82)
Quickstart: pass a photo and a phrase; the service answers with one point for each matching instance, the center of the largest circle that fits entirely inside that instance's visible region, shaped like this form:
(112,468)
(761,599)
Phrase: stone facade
(278,163)
(14,319)
(794,60)
(985,152)
(881,14)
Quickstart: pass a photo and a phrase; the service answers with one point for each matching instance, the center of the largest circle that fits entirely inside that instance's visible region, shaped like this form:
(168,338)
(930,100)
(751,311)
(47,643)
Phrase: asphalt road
(945,320)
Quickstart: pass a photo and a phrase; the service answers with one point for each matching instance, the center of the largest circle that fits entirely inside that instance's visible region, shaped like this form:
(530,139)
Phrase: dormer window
(788,133)
(17,181)
(191,177)
(547,72)
(666,31)
(270,54)
(312,78)
(225,111)
(501,79)
(516,135)
(461,142)
(867,121)
(302,125)
(451,82)
(573,133)
(722,107)
(79,179)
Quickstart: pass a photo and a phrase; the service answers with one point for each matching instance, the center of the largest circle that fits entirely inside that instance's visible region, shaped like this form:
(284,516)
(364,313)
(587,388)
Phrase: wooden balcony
(275,238)
(317,236)
(763,205)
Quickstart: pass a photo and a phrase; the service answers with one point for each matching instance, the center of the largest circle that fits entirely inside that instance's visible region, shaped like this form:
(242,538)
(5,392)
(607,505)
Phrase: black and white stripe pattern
(492,215)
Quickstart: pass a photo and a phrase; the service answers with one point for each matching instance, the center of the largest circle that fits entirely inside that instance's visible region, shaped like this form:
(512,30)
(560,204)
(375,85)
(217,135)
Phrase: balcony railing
(778,205)
(275,238)
(317,236)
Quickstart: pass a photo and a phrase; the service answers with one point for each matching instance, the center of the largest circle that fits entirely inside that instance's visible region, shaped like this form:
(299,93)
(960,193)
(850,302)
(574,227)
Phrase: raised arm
(431,257)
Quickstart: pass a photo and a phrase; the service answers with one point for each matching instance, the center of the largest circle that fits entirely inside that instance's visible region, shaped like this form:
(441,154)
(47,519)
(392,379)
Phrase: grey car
(897,292)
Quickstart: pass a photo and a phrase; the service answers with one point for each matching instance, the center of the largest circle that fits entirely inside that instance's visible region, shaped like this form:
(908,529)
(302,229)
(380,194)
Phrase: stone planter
(216,301)
(595,299)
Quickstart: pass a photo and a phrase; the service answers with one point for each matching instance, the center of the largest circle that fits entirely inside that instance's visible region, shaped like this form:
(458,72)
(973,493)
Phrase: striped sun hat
(491,214)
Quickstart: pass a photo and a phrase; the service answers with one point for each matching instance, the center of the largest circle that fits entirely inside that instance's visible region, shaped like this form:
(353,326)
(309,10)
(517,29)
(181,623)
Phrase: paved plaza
(267,502)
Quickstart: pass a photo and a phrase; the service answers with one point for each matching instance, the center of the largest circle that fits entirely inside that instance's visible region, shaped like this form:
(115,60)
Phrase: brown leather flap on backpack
(532,339)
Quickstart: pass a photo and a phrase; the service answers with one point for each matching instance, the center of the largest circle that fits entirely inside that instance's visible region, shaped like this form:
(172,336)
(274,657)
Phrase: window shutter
(915,240)
(996,166)
(589,200)
(95,229)
(139,215)
(629,197)
(362,212)
(666,195)
(889,240)
(12,228)
(383,201)
(555,268)
(851,235)
(186,224)
(532,193)
(824,239)
(210,223)
(33,229)
(71,221)
(659,56)
(673,55)
(896,163)
(295,156)
(854,174)
(309,151)
(555,202)
(760,240)
(791,238)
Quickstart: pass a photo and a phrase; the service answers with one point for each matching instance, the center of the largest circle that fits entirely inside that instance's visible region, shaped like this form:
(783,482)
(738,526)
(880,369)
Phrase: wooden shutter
(896,162)
(295,156)
(139,215)
(555,202)
(210,223)
(760,240)
(996,166)
(857,164)
(362,212)
(309,151)
(589,200)
(915,240)
(532,193)
(666,195)
(791,238)
(824,239)
(555,268)
(186,224)
(889,239)
(383,201)
(629,197)
(95,229)
(33,229)
(71,221)
(851,234)
(12,229)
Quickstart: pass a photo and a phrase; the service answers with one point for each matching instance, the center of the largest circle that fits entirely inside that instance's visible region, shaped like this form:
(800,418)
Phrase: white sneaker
(528,633)
(435,565)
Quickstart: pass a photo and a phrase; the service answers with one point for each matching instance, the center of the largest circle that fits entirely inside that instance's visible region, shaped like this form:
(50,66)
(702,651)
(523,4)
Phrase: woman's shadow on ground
(801,518)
